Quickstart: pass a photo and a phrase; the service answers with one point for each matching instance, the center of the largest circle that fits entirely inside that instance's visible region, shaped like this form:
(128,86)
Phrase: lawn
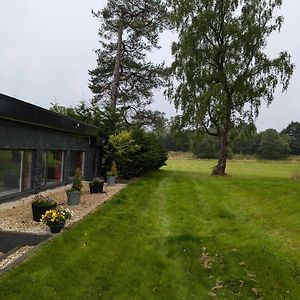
(178,234)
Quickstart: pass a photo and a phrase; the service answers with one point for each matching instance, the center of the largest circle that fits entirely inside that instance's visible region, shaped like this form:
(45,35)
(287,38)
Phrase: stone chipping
(17,215)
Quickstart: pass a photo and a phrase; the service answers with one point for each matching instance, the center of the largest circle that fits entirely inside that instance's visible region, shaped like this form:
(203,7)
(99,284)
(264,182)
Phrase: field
(178,234)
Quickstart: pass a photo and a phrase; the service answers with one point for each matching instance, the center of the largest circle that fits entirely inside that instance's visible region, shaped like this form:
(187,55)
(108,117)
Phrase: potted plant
(40,205)
(74,192)
(112,174)
(96,185)
(56,219)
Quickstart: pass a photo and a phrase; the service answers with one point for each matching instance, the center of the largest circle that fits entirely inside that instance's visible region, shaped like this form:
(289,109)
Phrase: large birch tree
(221,68)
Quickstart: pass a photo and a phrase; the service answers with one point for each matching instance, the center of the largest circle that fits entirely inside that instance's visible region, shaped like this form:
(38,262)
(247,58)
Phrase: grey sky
(47,49)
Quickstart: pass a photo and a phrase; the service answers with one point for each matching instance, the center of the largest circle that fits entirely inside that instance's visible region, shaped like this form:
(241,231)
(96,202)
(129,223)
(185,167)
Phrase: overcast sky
(47,48)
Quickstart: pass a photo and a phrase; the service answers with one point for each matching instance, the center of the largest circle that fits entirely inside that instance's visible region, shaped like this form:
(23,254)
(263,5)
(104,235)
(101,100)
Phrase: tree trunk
(220,168)
(116,73)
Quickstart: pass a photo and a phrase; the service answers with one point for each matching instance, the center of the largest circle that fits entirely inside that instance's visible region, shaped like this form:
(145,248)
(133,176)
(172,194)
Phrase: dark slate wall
(14,135)
(24,136)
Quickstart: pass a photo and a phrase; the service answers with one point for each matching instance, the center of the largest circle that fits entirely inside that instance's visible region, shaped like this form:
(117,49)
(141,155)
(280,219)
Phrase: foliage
(273,145)
(244,139)
(123,79)
(222,73)
(56,216)
(151,155)
(205,146)
(174,137)
(108,124)
(113,171)
(135,152)
(40,200)
(89,113)
(77,182)
(293,132)
(246,144)
(121,150)
(96,180)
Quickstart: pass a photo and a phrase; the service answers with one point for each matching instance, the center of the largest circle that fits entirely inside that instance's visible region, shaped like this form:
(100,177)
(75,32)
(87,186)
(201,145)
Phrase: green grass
(153,240)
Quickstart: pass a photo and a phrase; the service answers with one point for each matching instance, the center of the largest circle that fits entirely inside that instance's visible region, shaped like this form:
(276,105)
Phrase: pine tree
(124,79)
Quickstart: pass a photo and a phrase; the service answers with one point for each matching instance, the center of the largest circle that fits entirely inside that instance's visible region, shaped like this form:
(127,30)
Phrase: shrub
(121,149)
(135,152)
(113,171)
(77,183)
(273,145)
(151,155)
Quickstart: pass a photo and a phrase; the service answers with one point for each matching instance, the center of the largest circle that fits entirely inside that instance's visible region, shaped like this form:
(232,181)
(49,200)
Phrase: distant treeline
(245,139)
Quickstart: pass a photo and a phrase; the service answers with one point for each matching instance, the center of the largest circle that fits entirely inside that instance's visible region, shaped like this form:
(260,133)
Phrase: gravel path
(17,215)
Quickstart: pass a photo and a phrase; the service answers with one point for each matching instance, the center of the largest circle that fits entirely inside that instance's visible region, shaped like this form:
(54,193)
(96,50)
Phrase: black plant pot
(96,188)
(39,210)
(56,228)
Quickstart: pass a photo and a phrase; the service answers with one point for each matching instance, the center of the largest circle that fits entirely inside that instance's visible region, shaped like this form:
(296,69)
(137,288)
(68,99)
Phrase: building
(40,149)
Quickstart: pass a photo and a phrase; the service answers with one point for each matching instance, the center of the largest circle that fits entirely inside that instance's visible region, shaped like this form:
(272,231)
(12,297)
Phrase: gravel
(11,258)
(17,215)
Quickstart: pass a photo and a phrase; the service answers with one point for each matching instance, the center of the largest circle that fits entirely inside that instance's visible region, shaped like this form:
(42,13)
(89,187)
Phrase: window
(77,161)
(15,171)
(52,167)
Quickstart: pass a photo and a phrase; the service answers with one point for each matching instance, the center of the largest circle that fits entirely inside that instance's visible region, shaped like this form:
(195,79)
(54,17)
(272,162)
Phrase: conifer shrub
(135,152)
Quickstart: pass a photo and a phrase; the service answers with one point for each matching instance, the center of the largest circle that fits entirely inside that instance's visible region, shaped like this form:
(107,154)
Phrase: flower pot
(56,228)
(96,188)
(39,210)
(111,180)
(73,197)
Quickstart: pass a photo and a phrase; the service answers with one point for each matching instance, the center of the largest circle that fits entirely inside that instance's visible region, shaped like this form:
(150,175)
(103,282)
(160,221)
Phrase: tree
(204,145)
(222,73)
(273,145)
(244,139)
(91,113)
(83,111)
(293,132)
(123,79)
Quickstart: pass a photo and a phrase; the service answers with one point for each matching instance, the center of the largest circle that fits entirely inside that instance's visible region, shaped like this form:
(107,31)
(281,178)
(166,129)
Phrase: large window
(77,162)
(15,171)
(52,166)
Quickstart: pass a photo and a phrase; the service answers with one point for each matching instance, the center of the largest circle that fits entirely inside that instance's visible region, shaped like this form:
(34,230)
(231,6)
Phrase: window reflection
(52,167)
(77,162)
(15,171)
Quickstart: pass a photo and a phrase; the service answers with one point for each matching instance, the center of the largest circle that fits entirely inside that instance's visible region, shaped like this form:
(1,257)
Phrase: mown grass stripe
(147,242)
